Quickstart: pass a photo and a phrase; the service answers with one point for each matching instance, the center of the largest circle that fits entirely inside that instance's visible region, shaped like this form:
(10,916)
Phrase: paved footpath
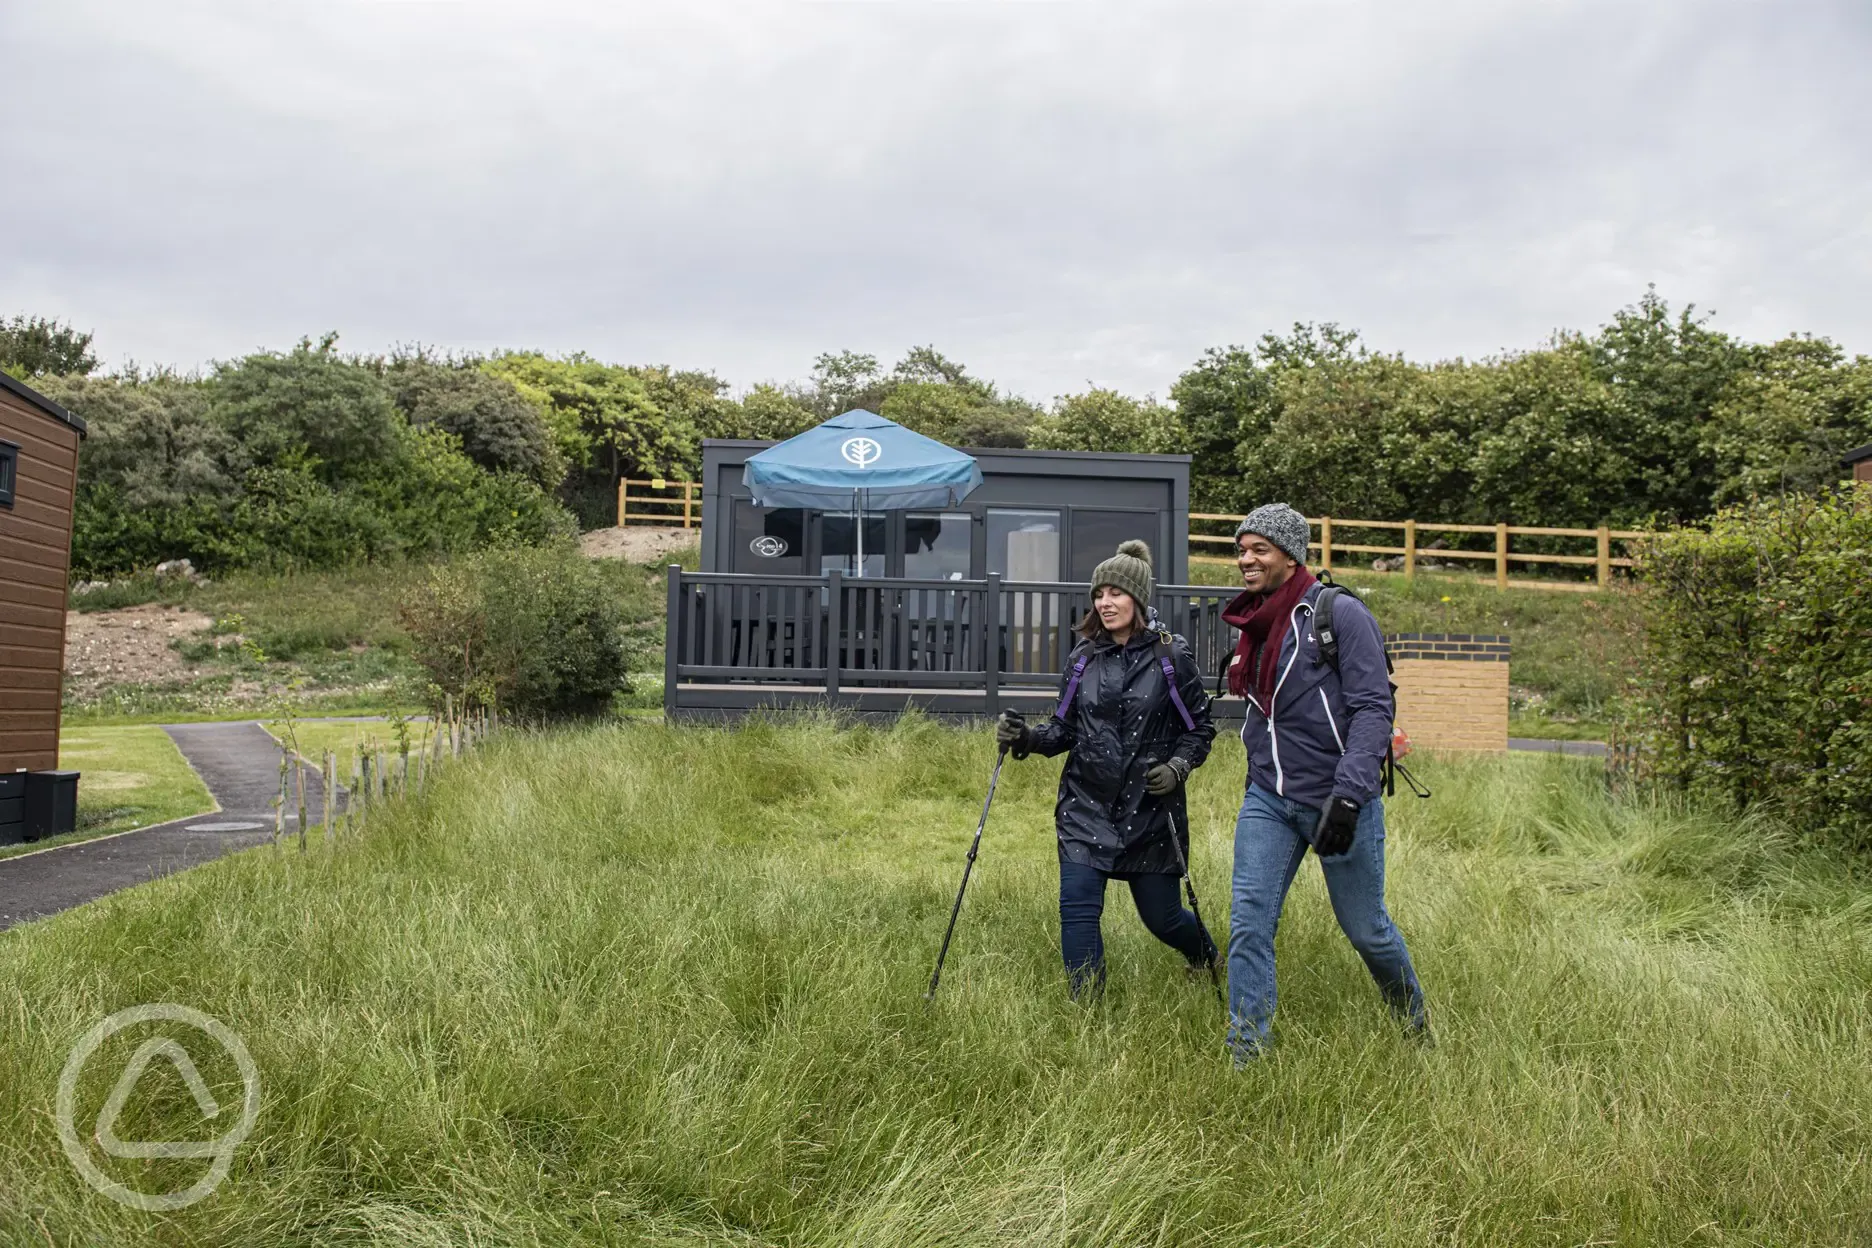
(239,762)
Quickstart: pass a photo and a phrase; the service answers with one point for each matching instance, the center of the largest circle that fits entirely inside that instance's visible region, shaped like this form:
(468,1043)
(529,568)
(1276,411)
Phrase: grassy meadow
(653,985)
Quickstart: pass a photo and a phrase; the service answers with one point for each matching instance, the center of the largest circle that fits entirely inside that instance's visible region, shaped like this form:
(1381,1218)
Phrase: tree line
(313,456)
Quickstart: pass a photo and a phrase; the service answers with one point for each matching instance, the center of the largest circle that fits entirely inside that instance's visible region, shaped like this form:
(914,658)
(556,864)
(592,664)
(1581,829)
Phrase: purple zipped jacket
(1328,731)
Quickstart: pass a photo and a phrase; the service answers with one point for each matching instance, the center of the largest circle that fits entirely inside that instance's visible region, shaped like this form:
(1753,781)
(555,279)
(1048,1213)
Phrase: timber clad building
(38,479)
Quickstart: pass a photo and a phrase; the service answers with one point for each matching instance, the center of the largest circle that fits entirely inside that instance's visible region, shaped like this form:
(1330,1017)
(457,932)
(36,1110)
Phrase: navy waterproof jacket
(1120,723)
(1328,731)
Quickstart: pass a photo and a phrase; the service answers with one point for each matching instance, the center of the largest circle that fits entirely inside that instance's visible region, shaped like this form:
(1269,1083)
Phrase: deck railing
(838,634)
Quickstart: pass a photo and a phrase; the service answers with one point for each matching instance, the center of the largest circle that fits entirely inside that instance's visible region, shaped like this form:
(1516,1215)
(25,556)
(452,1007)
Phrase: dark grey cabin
(959,610)
(1037,516)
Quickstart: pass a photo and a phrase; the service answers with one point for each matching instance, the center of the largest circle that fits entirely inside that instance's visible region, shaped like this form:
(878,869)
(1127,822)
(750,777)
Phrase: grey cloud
(1054,194)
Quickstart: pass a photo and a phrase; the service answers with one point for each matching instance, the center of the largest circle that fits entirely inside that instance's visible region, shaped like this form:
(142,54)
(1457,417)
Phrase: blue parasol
(860,460)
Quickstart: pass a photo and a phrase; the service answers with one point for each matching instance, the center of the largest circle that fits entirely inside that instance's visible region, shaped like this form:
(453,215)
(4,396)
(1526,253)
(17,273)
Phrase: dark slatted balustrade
(737,641)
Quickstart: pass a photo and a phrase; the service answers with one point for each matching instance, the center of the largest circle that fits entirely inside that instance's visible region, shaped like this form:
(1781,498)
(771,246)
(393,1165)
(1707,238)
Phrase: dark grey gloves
(1337,823)
(1011,731)
(1165,778)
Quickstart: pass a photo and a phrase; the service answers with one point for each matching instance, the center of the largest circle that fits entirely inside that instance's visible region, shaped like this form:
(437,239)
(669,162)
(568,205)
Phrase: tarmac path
(239,762)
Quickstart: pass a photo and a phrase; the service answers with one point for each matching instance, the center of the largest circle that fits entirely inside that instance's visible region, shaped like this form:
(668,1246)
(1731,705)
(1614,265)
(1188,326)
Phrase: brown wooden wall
(35,563)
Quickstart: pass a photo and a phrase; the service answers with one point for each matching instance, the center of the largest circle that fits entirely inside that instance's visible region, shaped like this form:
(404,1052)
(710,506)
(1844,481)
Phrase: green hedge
(1757,683)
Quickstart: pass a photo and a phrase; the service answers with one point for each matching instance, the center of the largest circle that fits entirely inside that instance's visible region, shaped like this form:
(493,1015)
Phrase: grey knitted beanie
(1280,524)
(1129,570)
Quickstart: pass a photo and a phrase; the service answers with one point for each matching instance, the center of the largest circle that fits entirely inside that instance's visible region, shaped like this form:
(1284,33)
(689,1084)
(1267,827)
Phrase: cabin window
(768,539)
(1024,545)
(936,545)
(1096,534)
(838,543)
(9,460)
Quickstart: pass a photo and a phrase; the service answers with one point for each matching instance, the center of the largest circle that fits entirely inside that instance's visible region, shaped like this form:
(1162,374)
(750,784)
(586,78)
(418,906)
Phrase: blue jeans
(1271,837)
(1082,902)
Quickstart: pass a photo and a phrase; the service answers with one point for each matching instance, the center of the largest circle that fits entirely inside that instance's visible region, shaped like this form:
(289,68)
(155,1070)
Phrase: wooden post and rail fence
(1327,544)
(680,503)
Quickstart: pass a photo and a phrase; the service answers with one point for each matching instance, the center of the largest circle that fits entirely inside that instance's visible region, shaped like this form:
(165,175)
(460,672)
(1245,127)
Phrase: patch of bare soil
(639,544)
(131,646)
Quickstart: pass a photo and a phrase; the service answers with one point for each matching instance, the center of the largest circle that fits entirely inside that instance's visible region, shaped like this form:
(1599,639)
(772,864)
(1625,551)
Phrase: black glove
(1337,823)
(1165,777)
(1011,731)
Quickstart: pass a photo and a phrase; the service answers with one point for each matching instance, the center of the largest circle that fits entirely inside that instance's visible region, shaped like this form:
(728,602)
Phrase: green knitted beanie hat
(1129,570)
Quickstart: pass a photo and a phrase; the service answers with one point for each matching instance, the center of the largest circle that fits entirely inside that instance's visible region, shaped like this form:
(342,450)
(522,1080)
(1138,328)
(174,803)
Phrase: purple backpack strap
(1170,682)
(1072,686)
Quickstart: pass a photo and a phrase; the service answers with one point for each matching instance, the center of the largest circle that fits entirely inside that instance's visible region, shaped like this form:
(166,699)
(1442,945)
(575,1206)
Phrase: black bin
(12,807)
(51,803)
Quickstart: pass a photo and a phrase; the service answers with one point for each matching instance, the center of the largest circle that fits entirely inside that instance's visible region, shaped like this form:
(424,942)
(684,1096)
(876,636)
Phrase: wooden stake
(299,767)
(331,793)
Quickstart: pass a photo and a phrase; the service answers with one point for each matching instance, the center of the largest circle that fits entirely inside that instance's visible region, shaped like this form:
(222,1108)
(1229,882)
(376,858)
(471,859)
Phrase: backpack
(1082,653)
(1329,651)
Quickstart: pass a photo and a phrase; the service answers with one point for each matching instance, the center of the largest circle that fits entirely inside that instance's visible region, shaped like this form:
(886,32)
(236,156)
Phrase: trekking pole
(1189,890)
(969,866)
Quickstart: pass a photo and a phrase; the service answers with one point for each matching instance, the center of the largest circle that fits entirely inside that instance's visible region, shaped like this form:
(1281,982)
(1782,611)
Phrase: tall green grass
(663,985)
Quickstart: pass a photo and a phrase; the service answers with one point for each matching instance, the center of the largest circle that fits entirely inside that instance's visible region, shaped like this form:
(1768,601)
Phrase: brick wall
(1452,690)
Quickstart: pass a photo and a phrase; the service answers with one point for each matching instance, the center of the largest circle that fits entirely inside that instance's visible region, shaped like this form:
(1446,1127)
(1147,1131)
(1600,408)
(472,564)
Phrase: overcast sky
(1052,193)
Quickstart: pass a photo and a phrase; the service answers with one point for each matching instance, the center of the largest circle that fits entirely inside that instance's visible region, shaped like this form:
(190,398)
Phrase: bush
(1757,684)
(499,428)
(531,631)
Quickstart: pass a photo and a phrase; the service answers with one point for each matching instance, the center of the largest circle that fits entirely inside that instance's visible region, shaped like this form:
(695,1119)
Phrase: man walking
(1316,735)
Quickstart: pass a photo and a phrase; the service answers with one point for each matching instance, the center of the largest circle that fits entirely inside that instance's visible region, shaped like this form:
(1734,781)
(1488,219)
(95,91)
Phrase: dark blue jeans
(1271,837)
(1082,902)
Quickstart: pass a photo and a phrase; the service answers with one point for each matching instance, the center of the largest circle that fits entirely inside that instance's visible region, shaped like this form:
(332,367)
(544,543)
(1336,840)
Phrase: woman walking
(1133,722)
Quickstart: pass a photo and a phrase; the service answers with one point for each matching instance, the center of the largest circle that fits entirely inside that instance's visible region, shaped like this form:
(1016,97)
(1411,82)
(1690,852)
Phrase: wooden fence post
(1326,543)
(331,793)
(1501,556)
(1605,556)
(299,767)
(623,500)
(285,795)
(686,497)
(1410,549)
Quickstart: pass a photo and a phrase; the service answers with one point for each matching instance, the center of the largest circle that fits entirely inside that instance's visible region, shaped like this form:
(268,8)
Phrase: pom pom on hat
(1129,570)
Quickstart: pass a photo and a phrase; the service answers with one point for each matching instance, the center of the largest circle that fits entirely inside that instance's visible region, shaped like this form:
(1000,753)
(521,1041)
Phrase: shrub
(1757,683)
(531,631)
(500,429)
(308,408)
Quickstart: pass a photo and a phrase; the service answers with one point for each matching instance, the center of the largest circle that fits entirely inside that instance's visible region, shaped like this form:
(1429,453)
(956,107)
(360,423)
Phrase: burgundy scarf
(1263,620)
